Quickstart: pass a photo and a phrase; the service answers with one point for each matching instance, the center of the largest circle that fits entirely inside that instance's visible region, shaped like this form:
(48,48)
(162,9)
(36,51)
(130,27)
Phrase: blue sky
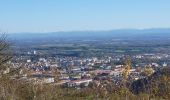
(79,15)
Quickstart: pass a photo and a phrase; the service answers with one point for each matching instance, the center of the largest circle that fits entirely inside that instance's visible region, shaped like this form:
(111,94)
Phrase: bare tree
(5,54)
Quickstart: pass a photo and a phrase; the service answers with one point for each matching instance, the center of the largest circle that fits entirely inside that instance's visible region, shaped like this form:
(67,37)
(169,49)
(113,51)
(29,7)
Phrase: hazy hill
(123,33)
(161,36)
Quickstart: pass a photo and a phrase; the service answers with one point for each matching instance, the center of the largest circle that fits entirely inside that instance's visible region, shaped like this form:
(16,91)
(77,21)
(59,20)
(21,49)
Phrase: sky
(82,15)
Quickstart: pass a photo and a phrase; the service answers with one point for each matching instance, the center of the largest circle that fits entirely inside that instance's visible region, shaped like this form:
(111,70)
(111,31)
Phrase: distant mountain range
(121,33)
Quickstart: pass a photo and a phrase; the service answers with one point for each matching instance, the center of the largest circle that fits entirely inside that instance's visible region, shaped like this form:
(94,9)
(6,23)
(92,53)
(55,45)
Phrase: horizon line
(118,29)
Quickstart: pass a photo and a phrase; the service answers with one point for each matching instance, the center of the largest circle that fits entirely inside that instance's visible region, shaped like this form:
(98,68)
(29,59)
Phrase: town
(79,72)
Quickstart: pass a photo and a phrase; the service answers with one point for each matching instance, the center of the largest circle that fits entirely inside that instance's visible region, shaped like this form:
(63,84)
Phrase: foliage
(156,85)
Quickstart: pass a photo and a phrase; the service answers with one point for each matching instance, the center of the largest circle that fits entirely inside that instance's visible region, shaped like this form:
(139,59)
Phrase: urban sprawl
(79,72)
